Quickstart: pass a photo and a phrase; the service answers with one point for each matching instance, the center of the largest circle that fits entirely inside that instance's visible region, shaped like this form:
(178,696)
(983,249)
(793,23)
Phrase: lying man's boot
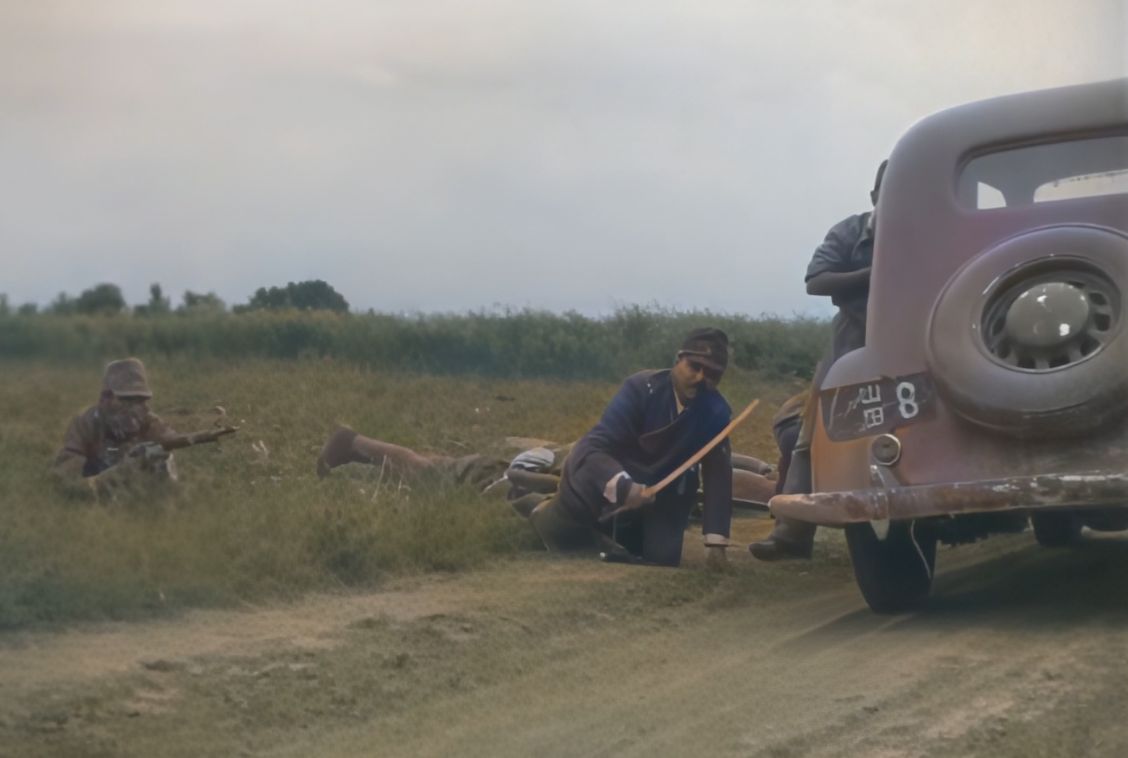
(337,451)
(789,540)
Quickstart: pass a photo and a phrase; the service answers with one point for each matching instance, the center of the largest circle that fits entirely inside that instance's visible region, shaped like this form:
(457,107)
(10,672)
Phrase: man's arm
(69,465)
(620,426)
(832,272)
(835,284)
(70,461)
(716,479)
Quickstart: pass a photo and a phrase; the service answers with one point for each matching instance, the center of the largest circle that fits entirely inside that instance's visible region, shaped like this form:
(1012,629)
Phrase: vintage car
(993,386)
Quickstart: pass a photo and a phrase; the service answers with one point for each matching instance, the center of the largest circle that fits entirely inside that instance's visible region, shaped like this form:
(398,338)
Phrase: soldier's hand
(143,464)
(116,478)
(636,498)
(150,456)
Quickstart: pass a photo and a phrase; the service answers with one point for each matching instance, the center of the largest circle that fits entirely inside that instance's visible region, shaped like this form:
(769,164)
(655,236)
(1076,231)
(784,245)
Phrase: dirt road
(1022,652)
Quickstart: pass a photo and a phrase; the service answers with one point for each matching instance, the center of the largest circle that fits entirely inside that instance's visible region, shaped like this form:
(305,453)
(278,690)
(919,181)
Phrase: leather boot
(789,540)
(337,451)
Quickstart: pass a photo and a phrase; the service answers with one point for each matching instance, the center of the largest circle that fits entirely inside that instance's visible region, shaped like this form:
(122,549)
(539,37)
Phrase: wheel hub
(1052,319)
(1047,316)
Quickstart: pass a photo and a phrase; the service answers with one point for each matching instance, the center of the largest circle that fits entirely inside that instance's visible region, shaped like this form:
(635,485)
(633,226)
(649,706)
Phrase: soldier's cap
(708,346)
(539,460)
(126,378)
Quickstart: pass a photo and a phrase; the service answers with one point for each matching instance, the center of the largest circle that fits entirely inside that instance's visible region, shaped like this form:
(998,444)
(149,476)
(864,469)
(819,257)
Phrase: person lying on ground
(482,471)
(526,479)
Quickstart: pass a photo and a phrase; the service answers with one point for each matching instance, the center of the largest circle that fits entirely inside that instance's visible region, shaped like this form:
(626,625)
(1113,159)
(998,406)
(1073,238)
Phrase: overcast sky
(441,155)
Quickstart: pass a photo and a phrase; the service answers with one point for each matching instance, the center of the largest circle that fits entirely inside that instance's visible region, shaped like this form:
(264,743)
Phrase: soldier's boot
(337,451)
(789,540)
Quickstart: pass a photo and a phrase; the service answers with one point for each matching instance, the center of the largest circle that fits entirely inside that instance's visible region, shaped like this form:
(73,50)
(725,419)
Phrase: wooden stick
(654,489)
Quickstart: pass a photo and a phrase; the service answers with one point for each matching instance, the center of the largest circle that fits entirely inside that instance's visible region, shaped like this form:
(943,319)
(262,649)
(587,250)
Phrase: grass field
(250,520)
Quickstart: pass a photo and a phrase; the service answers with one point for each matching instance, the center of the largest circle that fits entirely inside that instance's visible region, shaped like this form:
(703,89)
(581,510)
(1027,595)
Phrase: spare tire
(1029,337)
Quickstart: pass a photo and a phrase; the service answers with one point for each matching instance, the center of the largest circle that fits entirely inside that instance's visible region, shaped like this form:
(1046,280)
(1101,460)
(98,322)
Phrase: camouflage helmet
(126,378)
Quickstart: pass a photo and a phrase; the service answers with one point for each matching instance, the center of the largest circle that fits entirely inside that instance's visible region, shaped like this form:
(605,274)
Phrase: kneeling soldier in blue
(655,423)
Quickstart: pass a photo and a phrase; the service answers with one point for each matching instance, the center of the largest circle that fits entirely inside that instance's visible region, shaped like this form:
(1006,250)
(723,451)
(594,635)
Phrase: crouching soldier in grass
(655,423)
(119,444)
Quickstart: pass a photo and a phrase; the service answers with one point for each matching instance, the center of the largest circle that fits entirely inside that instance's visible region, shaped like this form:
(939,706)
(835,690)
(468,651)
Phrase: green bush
(523,343)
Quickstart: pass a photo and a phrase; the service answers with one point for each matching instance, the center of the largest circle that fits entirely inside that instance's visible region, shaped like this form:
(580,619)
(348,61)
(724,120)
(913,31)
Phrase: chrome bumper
(924,500)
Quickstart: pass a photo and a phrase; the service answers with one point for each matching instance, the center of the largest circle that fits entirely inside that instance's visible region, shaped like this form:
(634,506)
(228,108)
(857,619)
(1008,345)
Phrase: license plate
(862,410)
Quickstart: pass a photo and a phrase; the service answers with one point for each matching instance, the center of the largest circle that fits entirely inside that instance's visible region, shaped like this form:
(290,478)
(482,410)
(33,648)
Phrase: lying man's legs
(346,446)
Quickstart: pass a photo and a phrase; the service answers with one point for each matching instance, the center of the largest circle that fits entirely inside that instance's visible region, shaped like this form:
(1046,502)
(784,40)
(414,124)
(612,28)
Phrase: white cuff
(611,490)
(716,540)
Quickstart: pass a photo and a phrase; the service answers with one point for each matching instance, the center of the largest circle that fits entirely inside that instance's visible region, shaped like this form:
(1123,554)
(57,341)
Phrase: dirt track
(1021,652)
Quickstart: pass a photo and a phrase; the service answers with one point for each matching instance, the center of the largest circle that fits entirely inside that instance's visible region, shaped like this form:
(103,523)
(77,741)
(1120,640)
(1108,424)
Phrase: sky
(434,155)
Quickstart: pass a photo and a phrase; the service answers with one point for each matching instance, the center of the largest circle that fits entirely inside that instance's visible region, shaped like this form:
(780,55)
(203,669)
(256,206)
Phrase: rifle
(157,451)
(179,441)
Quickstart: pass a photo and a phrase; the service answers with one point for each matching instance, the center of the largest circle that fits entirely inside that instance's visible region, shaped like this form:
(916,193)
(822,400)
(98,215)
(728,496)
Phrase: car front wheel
(894,573)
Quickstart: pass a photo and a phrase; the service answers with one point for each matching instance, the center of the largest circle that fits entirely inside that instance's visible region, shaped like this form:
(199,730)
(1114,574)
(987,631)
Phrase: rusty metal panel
(922,501)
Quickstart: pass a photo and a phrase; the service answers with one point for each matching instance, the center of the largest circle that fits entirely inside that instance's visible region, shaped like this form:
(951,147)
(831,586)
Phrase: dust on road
(1021,652)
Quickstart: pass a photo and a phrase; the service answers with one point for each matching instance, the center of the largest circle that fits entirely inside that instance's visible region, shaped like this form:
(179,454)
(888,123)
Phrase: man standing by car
(656,421)
(840,270)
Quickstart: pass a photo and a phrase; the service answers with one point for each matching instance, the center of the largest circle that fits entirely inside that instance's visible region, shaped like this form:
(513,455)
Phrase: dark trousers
(653,533)
(794,478)
(786,435)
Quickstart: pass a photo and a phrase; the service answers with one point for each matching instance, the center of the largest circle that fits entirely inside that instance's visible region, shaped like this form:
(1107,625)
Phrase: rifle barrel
(196,438)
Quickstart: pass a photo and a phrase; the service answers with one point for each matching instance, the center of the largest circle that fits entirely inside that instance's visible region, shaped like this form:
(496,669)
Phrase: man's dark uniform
(643,434)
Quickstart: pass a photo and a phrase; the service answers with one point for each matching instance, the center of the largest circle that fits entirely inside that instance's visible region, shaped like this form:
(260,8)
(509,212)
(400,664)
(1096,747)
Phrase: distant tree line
(107,300)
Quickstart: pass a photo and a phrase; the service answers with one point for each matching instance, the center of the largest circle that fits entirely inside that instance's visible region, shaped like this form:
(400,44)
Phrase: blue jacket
(642,433)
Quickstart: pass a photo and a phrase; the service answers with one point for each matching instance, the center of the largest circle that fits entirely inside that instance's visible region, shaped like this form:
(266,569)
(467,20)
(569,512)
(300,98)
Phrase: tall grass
(514,344)
(250,519)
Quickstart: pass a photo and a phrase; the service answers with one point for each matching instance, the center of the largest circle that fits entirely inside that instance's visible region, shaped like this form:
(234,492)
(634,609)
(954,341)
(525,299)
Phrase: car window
(1046,173)
(1085,185)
